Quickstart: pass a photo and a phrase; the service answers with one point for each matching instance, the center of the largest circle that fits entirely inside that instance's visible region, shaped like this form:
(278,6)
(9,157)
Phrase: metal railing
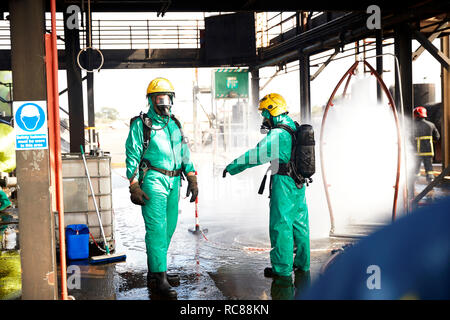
(5,39)
(273,25)
(155,33)
(128,34)
(143,34)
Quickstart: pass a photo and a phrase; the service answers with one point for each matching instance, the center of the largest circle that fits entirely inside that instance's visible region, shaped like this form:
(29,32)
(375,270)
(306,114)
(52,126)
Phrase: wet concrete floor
(225,262)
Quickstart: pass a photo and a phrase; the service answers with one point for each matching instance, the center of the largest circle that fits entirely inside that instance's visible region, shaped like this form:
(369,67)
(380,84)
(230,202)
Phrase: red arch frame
(349,73)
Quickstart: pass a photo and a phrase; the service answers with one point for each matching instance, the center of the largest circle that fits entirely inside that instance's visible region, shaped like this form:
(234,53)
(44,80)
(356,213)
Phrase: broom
(197,229)
(108,257)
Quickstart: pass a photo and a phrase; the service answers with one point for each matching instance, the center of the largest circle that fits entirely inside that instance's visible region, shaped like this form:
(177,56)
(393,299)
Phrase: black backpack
(302,164)
(147,126)
(302,156)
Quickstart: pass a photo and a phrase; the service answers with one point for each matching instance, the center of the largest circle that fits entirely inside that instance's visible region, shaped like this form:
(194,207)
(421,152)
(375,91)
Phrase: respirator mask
(266,125)
(163,104)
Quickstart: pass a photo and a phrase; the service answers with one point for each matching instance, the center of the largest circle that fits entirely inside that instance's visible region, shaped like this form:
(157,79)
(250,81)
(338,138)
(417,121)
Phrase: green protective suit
(4,201)
(7,158)
(160,213)
(288,210)
(282,288)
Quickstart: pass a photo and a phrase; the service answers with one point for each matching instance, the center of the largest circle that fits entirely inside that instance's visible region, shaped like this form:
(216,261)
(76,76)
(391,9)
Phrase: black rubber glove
(137,195)
(224,173)
(192,187)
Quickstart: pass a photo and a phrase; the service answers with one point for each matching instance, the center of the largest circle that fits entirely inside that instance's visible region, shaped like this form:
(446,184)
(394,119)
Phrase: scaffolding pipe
(57,153)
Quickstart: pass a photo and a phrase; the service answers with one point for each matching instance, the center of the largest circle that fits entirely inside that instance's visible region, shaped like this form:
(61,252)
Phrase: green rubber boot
(160,287)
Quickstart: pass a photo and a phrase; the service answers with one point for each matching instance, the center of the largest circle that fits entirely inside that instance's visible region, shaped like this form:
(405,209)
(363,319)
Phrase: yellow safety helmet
(274,103)
(160,85)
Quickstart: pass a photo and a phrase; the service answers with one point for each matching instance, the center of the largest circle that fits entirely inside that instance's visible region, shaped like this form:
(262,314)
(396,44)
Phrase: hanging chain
(89,24)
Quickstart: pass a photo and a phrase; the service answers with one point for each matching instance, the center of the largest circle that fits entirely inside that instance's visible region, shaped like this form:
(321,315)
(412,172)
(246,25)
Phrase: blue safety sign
(30,125)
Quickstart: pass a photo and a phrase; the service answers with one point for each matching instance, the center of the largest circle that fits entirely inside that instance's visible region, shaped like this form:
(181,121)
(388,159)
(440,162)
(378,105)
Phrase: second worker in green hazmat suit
(154,171)
(288,226)
(7,157)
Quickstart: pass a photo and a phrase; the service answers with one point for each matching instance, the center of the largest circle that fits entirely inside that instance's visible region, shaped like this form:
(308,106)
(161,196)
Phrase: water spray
(397,68)
(400,138)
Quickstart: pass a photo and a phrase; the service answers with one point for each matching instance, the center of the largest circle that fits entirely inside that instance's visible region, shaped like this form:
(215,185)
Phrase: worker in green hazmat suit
(288,226)
(7,157)
(4,201)
(154,169)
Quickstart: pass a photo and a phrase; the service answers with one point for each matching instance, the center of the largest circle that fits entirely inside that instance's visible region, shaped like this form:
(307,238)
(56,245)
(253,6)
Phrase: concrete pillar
(74,86)
(36,219)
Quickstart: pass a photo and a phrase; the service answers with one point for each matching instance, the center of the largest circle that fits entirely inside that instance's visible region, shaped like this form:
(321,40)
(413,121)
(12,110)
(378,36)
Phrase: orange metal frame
(51,61)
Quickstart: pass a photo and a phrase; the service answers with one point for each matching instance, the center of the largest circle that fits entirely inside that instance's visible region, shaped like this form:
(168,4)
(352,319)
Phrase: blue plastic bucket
(77,239)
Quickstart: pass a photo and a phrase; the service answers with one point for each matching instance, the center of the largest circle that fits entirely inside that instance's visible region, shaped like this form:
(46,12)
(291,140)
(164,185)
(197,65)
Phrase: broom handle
(95,202)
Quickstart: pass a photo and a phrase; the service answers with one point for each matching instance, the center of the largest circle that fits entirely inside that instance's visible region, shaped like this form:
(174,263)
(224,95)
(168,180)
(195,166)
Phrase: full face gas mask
(266,125)
(162,104)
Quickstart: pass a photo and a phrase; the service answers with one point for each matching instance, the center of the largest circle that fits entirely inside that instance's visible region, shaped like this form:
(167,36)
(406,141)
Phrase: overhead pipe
(348,74)
(329,43)
(274,61)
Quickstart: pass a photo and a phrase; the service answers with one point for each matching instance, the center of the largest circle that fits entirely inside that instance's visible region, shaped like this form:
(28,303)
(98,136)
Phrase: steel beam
(36,219)
(439,56)
(270,79)
(431,38)
(445,172)
(322,67)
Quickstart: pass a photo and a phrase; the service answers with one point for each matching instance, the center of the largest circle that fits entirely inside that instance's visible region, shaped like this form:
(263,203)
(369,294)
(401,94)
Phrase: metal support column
(195,116)
(403,49)
(90,78)
(74,87)
(255,94)
(36,223)
(305,92)
(379,66)
(445,81)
